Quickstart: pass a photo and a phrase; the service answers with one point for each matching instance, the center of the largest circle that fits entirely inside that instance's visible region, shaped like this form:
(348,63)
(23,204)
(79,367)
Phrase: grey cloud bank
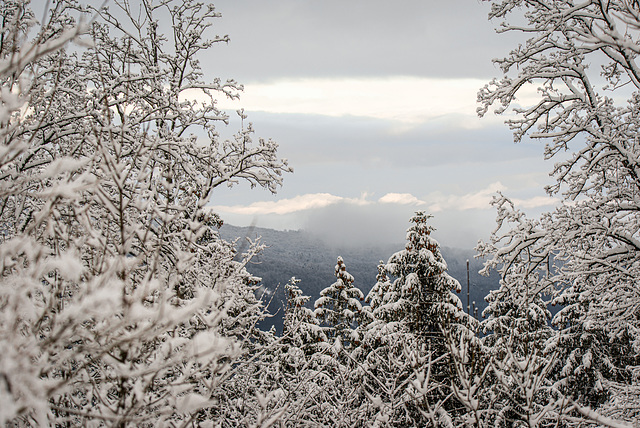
(356,38)
(374,98)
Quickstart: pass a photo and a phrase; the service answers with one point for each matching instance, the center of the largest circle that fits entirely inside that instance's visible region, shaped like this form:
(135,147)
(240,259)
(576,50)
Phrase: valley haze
(311,259)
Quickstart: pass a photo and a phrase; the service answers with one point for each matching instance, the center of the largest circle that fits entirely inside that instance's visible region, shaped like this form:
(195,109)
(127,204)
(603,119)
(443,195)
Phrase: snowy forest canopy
(121,305)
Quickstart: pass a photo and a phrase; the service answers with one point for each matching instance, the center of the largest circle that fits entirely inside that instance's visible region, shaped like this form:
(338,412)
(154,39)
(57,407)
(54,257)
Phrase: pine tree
(301,328)
(517,314)
(596,362)
(339,307)
(404,346)
(421,296)
(517,328)
(378,291)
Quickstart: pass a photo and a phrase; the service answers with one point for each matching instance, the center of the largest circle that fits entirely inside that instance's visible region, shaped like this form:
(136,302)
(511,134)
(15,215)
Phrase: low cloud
(460,219)
(313,201)
(287,206)
(535,202)
(477,200)
(400,199)
(480,200)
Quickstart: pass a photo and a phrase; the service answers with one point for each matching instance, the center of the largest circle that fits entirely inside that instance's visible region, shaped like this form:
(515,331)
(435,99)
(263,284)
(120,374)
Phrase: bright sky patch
(410,100)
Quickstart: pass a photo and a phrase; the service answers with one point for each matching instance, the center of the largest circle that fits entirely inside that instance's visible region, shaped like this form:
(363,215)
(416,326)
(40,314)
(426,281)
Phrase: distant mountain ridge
(308,258)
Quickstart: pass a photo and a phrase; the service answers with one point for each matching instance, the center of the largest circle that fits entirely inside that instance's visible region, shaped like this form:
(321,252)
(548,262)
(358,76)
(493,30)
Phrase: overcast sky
(373,103)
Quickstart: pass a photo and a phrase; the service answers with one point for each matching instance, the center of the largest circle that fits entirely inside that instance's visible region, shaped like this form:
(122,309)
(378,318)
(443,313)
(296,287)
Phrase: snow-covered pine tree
(516,313)
(384,364)
(598,365)
(370,327)
(423,299)
(413,305)
(517,325)
(301,328)
(380,288)
(339,307)
(422,295)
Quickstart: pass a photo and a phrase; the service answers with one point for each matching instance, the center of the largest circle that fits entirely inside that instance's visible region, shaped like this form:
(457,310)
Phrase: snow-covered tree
(339,307)
(120,303)
(374,328)
(413,305)
(421,296)
(471,379)
(517,324)
(583,57)
(516,312)
(376,295)
(300,327)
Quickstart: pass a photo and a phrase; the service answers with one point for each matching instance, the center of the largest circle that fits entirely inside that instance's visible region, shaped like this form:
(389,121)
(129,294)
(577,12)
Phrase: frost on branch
(582,57)
(119,301)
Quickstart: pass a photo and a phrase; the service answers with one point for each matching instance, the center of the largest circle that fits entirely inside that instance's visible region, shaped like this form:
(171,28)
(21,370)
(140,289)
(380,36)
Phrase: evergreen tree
(596,362)
(339,306)
(377,294)
(517,329)
(517,313)
(421,296)
(404,347)
(517,326)
(301,328)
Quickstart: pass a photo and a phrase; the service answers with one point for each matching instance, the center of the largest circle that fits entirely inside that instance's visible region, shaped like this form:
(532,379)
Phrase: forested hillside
(312,261)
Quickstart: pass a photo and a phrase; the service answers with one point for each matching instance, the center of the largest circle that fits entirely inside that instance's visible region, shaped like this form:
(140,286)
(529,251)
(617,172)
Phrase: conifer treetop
(339,305)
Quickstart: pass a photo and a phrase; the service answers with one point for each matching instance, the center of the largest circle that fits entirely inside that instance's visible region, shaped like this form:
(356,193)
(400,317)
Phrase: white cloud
(476,200)
(479,200)
(311,201)
(409,100)
(401,199)
(287,206)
